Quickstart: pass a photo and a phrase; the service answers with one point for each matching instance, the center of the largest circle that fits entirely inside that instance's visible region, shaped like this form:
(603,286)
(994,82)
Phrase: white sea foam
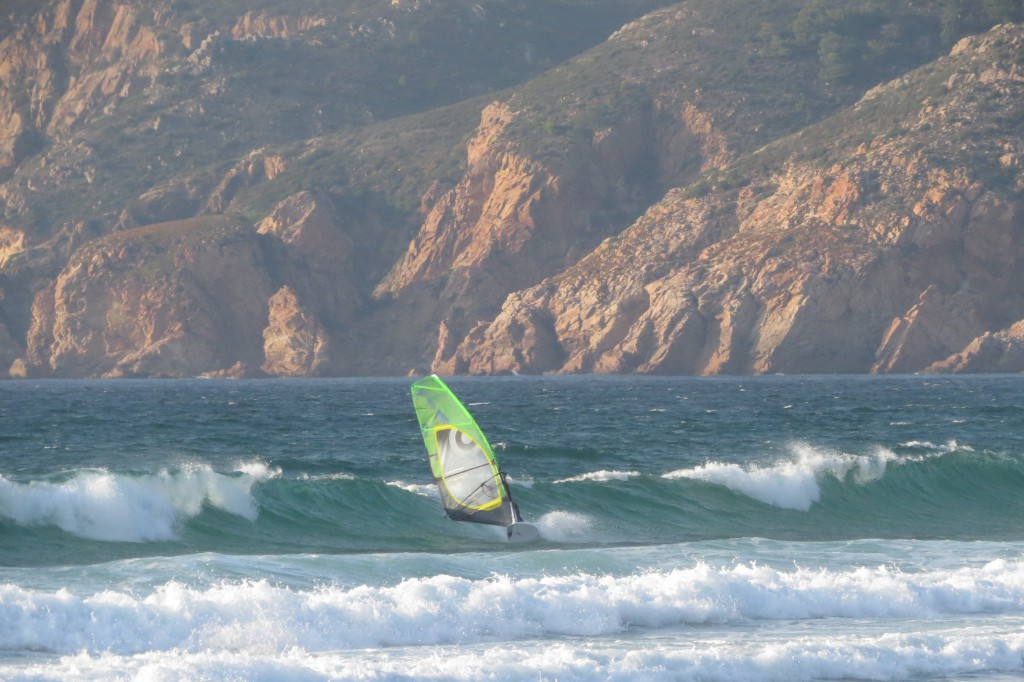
(948,446)
(257,469)
(874,657)
(791,483)
(518,482)
(259,618)
(101,505)
(327,477)
(563,526)
(600,476)
(425,489)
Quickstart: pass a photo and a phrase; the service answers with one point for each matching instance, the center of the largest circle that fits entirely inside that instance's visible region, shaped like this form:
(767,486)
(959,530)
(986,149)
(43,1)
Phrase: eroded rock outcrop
(110,32)
(504,213)
(1001,351)
(889,260)
(258,25)
(256,168)
(294,342)
(48,92)
(11,242)
(320,255)
(198,303)
(514,220)
(601,223)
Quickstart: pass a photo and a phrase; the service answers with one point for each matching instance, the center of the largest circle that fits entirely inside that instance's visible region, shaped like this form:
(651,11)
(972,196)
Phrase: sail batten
(464,466)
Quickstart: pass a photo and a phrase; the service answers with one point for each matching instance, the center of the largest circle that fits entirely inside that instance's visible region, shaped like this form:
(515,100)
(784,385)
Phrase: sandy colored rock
(888,261)
(256,168)
(294,342)
(1001,351)
(255,26)
(320,254)
(191,310)
(641,223)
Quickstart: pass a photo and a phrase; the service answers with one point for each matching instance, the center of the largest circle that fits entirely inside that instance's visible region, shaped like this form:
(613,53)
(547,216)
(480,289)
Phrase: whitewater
(772,528)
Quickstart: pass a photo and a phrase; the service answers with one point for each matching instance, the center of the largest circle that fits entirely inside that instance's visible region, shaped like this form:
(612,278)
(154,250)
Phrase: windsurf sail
(465,469)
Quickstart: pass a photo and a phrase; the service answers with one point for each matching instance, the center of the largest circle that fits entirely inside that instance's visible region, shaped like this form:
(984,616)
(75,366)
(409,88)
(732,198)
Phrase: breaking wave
(102,505)
(260,617)
(919,490)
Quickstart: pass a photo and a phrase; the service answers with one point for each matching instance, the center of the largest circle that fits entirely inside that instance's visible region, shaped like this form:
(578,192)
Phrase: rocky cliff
(709,189)
(165,300)
(900,252)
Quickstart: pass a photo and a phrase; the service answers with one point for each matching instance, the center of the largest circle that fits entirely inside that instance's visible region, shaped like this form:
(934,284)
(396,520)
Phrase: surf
(912,490)
(260,615)
(98,504)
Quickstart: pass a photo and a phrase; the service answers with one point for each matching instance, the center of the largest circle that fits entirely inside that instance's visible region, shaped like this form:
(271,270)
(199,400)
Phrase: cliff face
(513,220)
(116,115)
(318,296)
(195,296)
(202,282)
(294,342)
(50,89)
(903,254)
(693,195)
(1001,351)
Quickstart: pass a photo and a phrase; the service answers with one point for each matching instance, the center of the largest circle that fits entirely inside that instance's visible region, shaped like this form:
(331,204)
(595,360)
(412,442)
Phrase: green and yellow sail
(465,469)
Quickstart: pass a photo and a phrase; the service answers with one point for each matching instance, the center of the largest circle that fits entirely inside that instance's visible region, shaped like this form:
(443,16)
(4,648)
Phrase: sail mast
(467,473)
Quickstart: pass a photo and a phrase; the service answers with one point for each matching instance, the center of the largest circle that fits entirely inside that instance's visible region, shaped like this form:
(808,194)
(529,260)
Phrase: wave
(945,655)
(600,476)
(798,482)
(564,526)
(424,489)
(102,505)
(918,490)
(791,484)
(949,446)
(260,617)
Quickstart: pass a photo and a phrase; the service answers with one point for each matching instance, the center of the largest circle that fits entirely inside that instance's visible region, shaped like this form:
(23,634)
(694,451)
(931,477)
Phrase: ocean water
(771,528)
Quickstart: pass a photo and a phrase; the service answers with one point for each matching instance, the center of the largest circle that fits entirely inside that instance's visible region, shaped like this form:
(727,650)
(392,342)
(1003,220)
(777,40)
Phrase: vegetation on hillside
(966,17)
(386,61)
(369,105)
(352,65)
(801,59)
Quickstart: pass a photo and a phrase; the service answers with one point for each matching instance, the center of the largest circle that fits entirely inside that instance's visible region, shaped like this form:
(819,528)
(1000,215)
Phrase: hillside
(711,187)
(887,238)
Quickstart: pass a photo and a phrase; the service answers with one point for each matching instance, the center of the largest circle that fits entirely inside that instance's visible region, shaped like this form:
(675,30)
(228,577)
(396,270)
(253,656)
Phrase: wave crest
(600,477)
(100,505)
(792,483)
(260,617)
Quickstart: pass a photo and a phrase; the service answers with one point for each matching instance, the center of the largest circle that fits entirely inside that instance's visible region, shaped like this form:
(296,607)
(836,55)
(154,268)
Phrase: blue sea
(769,528)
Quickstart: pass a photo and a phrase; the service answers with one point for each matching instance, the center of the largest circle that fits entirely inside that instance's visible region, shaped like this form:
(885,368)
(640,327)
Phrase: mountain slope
(177,201)
(885,239)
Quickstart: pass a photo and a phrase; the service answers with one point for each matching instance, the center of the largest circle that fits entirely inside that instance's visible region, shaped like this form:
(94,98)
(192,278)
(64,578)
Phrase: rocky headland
(690,195)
